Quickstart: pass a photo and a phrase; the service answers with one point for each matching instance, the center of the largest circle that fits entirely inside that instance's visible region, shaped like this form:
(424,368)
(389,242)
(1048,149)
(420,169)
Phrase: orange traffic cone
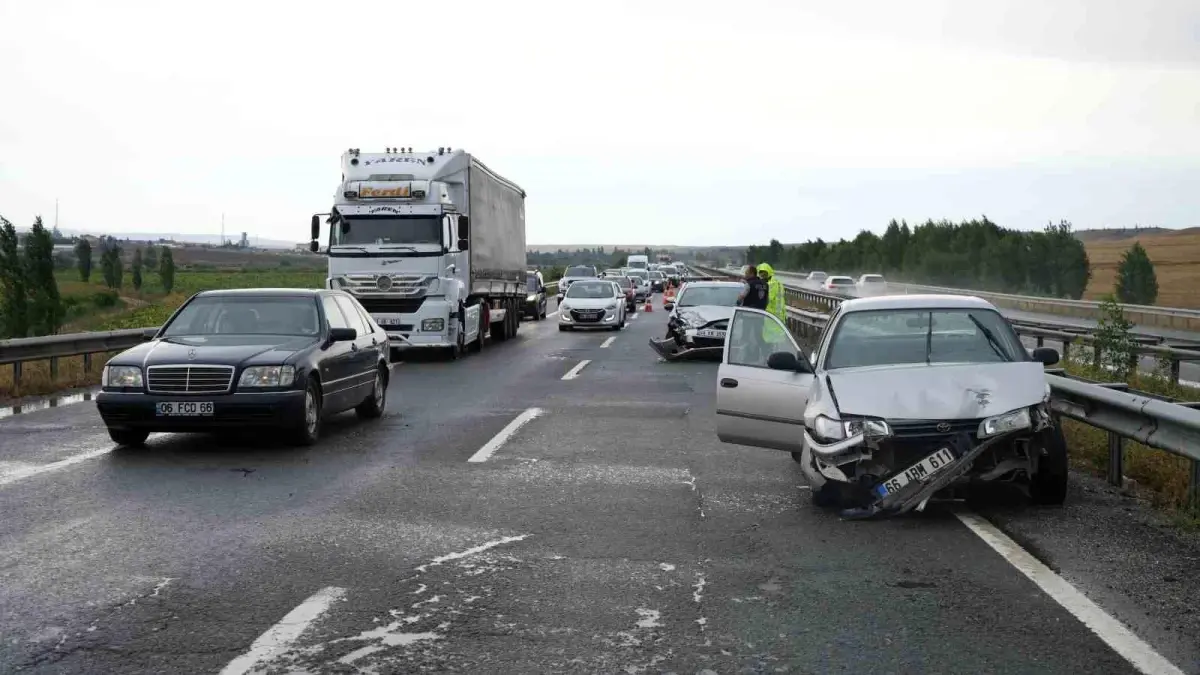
(649,305)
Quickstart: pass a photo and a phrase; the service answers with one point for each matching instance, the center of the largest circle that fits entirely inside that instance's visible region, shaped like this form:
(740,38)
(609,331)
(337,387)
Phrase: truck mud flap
(666,348)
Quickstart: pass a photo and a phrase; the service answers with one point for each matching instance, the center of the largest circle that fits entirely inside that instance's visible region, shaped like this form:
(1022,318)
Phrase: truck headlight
(1003,424)
(433,325)
(267,376)
(121,376)
(530,298)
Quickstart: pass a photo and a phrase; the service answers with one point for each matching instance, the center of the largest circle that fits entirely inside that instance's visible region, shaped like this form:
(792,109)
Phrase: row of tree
(973,254)
(112,266)
(29,300)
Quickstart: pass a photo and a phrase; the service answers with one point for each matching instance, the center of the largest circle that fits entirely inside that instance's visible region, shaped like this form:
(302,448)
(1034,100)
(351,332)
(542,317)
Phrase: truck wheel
(500,330)
(1048,487)
(516,317)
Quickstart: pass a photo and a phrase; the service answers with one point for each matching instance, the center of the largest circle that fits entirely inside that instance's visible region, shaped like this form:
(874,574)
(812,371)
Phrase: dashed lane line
(574,372)
(607,342)
(21,472)
(1115,634)
(504,434)
(279,638)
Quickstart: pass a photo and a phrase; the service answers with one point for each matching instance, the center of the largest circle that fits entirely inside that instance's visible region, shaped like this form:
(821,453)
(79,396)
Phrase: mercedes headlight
(267,376)
(1006,423)
(531,297)
(121,376)
(433,325)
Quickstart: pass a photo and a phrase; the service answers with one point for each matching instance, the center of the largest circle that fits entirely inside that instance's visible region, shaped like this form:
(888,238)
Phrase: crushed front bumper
(670,350)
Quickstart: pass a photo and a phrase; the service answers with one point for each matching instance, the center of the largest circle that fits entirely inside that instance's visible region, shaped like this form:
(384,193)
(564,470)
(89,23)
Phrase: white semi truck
(432,244)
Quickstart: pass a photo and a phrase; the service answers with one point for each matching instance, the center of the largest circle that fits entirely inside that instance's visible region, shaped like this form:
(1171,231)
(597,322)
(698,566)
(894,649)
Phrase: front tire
(1048,486)
(128,438)
(308,430)
(373,407)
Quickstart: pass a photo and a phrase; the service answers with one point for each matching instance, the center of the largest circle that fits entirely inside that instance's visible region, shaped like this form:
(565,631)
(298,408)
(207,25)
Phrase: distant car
(573,274)
(673,272)
(871,284)
(628,290)
(612,272)
(838,284)
(598,303)
(237,359)
(817,277)
(658,281)
(535,302)
(701,313)
(641,279)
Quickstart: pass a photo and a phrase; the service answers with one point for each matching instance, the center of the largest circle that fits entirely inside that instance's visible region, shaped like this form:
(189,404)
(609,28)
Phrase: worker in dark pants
(755,295)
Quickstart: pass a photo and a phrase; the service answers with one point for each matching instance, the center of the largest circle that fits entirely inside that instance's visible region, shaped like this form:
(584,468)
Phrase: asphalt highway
(518,512)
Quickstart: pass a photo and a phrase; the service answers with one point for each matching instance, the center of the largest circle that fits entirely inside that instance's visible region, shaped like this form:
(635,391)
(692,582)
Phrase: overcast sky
(690,122)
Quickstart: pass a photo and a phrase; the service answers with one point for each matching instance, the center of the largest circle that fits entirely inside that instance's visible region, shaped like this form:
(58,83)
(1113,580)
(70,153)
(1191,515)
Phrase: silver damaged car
(906,397)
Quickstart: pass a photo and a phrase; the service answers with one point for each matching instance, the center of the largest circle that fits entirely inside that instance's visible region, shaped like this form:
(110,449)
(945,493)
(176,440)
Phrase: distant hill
(211,239)
(1118,233)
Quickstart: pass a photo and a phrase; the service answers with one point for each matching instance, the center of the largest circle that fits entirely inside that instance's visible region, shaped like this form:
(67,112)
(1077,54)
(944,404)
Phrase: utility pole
(56,213)
(222,229)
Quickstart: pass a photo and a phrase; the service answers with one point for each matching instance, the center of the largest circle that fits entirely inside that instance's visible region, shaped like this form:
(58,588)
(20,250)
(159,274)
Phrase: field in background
(1176,258)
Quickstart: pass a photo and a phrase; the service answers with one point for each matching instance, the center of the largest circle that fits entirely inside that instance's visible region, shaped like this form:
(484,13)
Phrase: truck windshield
(382,231)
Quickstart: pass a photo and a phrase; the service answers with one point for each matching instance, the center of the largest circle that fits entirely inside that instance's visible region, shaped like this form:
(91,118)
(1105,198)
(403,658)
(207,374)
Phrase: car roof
(838,277)
(926,301)
(265,292)
(713,284)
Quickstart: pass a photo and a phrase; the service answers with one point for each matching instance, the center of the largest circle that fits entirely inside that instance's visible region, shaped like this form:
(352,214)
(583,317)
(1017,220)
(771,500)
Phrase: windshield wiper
(348,248)
(393,247)
(991,337)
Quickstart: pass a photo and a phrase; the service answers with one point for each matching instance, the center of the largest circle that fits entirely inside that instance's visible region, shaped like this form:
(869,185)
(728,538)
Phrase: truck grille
(378,305)
(189,379)
(394,284)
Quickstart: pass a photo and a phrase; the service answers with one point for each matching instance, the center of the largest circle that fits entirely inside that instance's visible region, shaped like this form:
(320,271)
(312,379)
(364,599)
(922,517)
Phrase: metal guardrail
(18,351)
(1154,421)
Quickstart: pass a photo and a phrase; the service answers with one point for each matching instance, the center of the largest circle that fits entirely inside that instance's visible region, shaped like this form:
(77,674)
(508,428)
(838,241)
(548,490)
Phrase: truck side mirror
(464,227)
(314,246)
(316,228)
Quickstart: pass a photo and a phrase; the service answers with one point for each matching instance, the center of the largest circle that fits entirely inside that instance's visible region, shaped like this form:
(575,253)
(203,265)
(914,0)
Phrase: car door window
(352,315)
(332,314)
(754,336)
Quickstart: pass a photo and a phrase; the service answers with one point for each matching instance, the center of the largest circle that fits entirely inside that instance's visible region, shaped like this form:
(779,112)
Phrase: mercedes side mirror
(342,334)
(464,227)
(463,243)
(787,361)
(1048,356)
(314,246)
(316,228)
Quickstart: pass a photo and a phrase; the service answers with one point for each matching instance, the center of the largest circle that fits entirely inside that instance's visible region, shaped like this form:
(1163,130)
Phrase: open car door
(758,405)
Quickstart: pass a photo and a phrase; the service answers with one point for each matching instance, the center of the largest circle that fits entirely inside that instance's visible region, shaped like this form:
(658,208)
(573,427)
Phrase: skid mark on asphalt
(1115,634)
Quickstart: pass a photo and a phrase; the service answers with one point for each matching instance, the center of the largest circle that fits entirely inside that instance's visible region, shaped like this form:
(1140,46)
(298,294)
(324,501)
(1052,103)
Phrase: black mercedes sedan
(235,359)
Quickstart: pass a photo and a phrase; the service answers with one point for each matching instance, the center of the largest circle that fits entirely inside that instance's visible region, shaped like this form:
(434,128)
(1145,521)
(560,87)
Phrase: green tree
(137,269)
(1118,350)
(111,264)
(1136,282)
(83,259)
(45,310)
(14,315)
(150,261)
(166,269)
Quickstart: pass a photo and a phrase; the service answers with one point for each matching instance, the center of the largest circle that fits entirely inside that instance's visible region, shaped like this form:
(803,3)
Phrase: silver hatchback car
(592,303)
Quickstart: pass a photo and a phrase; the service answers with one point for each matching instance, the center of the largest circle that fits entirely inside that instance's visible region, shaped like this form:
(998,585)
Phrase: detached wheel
(308,427)
(1048,487)
(373,407)
(128,438)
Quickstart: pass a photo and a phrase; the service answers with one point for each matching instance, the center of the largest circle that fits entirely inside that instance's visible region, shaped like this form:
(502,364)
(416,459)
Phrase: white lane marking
(574,372)
(1115,634)
(20,473)
(472,551)
(607,342)
(280,637)
(631,317)
(504,434)
(554,313)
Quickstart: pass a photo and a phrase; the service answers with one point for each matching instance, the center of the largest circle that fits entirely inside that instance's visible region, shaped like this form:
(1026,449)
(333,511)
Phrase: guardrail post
(1041,341)
(1175,371)
(1194,487)
(53,368)
(1095,354)
(1066,350)
(87,363)
(17,374)
(1116,459)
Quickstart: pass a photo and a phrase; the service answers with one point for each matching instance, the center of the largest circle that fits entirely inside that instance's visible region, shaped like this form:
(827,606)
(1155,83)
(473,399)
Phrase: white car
(871,284)
(816,278)
(592,303)
(837,284)
(905,398)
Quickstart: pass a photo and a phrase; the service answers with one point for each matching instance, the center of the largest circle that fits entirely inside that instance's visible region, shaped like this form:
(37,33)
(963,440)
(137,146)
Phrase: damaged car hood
(938,391)
(701,315)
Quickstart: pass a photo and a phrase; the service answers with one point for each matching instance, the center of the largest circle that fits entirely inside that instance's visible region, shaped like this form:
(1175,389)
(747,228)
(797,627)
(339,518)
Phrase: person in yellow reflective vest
(775,304)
